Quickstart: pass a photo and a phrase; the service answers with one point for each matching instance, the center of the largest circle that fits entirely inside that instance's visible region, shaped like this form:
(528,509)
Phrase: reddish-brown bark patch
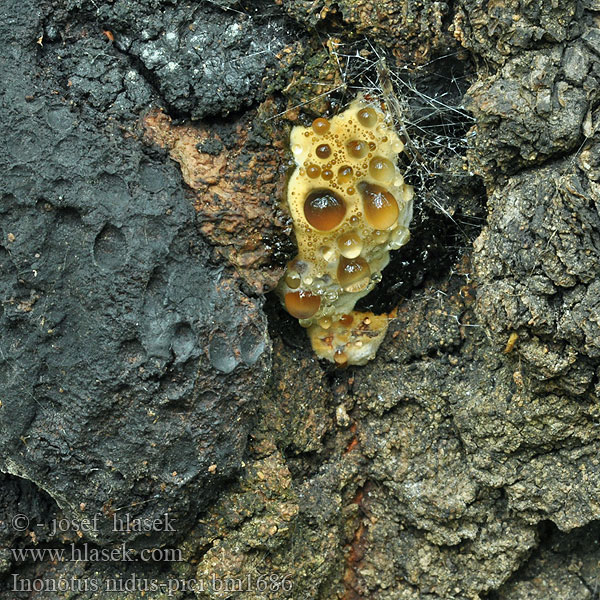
(236,190)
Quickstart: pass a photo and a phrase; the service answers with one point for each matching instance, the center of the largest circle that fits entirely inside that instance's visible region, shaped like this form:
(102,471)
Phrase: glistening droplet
(381,169)
(367,117)
(357,148)
(353,274)
(350,244)
(345,173)
(381,208)
(313,171)
(324,209)
(302,304)
(320,126)
(323,151)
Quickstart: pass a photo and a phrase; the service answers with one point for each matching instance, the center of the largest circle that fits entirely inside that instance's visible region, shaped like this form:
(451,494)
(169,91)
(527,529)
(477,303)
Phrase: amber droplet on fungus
(350,244)
(320,126)
(327,253)
(323,151)
(353,273)
(346,320)
(345,173)
(367,117)
(301,304)
(381,169)
(313,171)
(340,358)
(292,280)
(357,148)
(324,209)
(381,208)
(325,322)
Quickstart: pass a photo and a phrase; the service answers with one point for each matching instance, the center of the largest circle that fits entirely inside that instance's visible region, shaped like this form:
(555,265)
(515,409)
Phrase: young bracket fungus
(350,207)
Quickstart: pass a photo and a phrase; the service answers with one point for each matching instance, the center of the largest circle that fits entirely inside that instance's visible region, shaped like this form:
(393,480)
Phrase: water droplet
(302,304)
(320,126)
(350,244)
(313,171)
(323,151)
(381,169)
(357,148)
(327,253)
(397,146)
(344,174)
(324,209)
(367,117)
(353,274)
(325,322)
(381,208)
(346,320)
(292,280)
(340,358)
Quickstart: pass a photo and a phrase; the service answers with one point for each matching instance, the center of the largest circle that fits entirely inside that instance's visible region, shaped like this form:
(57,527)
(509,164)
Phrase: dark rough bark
(120,338)
(144,372)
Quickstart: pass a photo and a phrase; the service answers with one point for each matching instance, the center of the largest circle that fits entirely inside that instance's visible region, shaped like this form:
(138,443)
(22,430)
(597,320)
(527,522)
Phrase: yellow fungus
(344,237)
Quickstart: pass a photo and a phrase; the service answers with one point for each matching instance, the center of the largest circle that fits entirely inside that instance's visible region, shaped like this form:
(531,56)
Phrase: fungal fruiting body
(350,207)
